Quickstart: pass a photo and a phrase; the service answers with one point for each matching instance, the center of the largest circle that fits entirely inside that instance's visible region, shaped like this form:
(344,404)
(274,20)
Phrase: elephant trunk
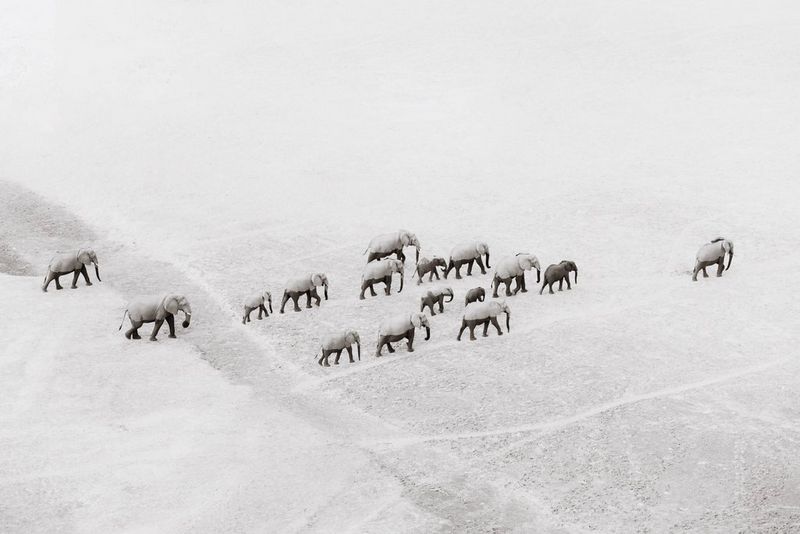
(508,321)
(270,306)
(538,275)
(452,296)
(730,260)
(417,260)
(97,271)
(358,345)
(487,261)
(427,333)
(187,319)
(326,290)
(576,275)
(401,282)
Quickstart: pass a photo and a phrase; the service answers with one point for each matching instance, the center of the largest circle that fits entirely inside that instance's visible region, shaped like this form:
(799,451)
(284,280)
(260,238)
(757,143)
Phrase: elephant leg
(317,298)
(372,289)
(521,284)
(284,300)
(389,346)
(246,315)
(381,343)
(495,286)
(458,270)
(156,328)
(75,274)
(479,261)
(57,279)
(133,332)
(295,299)
(266,313)
(85,275)
(470,264)
(436,272)
(441,304)
(705,274)
(326,355)
(430,307)
(338,355)
(508,286)
(496,325)
(472,325)
(463,327)
(388,283)
(308,299)
(551,288)
(49,278)
(171,324)
(321,358)
(350,354)
(448,268)
(260,307)
(720,266)
(568,284)
(561,284)
(486,328)
(543,286)
(410,337)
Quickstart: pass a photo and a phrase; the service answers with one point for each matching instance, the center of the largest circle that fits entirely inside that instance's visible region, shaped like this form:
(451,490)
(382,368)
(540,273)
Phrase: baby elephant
(435,296)
(337,343)
(713,253)
(71,262)
(430,267)
(483,313)
(402,327)
(257,302)
(558,273)
(476,294)
(156,309)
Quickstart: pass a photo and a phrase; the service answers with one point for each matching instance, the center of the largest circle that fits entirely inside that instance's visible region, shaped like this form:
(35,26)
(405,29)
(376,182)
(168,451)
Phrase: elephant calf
(476,294)
(402,327)
(305,285)
(337,343)
(257,302)
(381,272)
(483,313)
(713,253)
(435,296)
(71,262)
(156,309)
(430,267)
(559,273)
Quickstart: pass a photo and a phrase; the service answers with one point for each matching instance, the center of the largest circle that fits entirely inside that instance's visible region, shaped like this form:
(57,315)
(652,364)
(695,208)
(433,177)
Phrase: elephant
(558,273)
(402,327)
(435,296)
(306,285)
(337,343)
(257,302)
(711,253)
(381,272)
(468,253)
(513,268)
(430,267)
(393,243)
(156,309)
(476,294)
(483,313)
(71,262)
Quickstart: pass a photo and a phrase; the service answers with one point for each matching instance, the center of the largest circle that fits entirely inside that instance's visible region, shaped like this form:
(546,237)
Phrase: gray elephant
(429,267)
(71,262)
(393,243)
(337,343)
(381,272)
(476,294)
(402,327)
(513,268)
(435,296)
(156,309)
(559,273)
(306,285)
(469,253)
(713,253)
(483,313)
(257,302)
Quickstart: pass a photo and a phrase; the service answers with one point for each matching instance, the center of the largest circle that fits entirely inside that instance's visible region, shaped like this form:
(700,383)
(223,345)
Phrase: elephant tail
(123,319)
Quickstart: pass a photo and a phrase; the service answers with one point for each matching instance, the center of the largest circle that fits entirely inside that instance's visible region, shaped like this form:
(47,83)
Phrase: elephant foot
(73,287)
(127,335)
(524,290)
(362,297)
(326,364)
(88,283)
(172,336)
(308,306)
(378,354)
(44,290)
(485,335)
(499,333)
(153,339)
(410,349)
(335,363)
(297,309)
(136,336)
(560,289)
(473,338)
(59,288)
(352,361)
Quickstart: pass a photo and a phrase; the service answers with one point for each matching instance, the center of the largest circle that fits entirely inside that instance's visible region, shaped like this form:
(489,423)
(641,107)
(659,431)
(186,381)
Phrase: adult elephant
(336,343)
(713,253)
(381,272)
(513,268)
(71,262)
(156,309)
(559,272)
(258,302)
(483,313)
(393,243)
(305,285)
(402,327)
(469,252)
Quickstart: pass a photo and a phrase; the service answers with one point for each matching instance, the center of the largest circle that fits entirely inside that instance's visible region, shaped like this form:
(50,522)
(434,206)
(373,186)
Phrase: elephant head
(448,292)
(87,256)
(319,279)
(570,266)
(499,306)
(268,299)
(420,320)
(410,240)
(483,249)
(172,304)
(527,262)
(727,248)
(350,337)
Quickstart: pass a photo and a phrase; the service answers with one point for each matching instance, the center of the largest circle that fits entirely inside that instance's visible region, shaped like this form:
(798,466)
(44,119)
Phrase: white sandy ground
(216,149)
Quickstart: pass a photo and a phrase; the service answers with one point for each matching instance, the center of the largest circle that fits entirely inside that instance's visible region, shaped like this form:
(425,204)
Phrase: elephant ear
(171,304)
(316,279)
(349,337)
(416,321)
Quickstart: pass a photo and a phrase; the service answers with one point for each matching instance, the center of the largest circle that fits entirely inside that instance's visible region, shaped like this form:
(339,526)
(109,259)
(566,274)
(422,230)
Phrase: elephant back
(476,310)
(464,251)
(254,301)
(64,262)
(710,252)
(333,342)
(507,268)
(385,243)
(299,284)
(374,270)
(395,326)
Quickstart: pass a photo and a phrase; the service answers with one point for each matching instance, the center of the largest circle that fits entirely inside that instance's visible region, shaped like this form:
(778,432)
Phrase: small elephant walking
(392,243)
(71,262)
(558,273)
(713,253)
(435,296)
(483,313)
(156,309)
(476,294)
(305,285)
(468,253)
(402,327)
(337,343)
(430,267)
(513,268)
(257,302)
(381,272)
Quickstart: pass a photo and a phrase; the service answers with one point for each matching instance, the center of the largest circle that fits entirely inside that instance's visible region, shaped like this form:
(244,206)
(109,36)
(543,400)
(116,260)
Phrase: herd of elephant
(379,269)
